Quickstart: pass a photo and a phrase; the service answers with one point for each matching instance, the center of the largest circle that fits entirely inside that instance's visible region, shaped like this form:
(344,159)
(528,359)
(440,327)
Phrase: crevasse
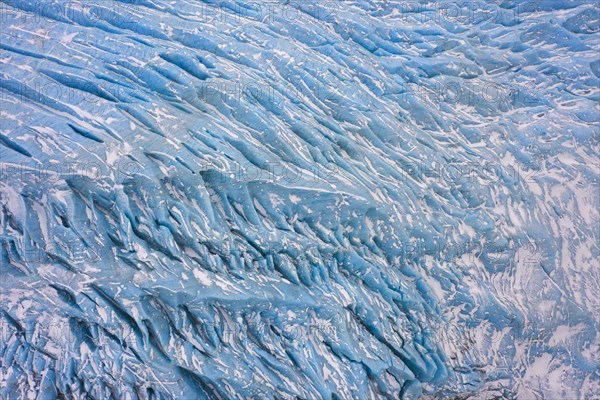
(337,200)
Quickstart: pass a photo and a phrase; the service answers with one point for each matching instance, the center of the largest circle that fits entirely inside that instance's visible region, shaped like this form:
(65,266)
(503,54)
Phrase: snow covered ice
(299,199)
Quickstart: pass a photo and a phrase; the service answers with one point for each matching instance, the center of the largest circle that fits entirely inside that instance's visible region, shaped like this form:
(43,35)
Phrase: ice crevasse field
(299,199)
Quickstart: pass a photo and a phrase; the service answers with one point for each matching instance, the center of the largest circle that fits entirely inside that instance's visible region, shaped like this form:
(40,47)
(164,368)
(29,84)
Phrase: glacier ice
(296,199)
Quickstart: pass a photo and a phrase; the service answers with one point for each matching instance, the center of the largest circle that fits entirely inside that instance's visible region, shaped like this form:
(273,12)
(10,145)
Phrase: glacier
(299,200)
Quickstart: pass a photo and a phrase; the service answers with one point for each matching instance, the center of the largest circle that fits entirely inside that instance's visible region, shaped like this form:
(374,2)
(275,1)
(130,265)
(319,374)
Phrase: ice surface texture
(316,200)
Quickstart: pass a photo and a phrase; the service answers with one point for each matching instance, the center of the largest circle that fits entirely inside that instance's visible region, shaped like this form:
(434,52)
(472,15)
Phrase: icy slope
(358,199)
